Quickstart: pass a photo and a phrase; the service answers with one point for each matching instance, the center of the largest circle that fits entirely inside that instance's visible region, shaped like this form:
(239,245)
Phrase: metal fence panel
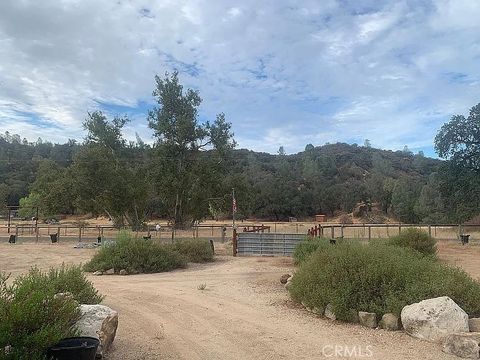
(267,244)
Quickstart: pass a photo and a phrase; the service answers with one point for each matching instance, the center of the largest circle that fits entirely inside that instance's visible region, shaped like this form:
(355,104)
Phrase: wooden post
(399,229)
(369,232)
(321,230)
(333,231)
(58,232)
(341,231)
(234,242)
(430,230)
(80,234)
(297,227)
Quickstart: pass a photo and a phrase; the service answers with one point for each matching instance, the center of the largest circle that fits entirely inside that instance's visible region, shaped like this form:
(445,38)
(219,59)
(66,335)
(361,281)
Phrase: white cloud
(395,70)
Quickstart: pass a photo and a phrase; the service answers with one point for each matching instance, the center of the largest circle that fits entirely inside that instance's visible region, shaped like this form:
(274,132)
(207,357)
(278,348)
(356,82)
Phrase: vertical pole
(58,232)
(297,227)
(430,230)
(399,229)
(212,230)
(16,232)
(234,208)
(333,231)
(369,232)
(341,231)
(321,230)
(36,226)
(80,234)
(275,227)
(234,242)
(9,216)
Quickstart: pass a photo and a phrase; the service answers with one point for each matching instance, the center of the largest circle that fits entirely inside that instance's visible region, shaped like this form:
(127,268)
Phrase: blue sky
(285,73)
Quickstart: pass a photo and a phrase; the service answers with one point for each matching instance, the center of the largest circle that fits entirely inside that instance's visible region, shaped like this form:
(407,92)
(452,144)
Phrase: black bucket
(75,348)
(54,238)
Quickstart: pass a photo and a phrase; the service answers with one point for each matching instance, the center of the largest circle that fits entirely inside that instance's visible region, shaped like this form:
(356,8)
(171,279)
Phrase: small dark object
(75,348)
(333,241)
(212,246)
(99,240)
(54,238)
(12,239)
(464,238)
(147,237)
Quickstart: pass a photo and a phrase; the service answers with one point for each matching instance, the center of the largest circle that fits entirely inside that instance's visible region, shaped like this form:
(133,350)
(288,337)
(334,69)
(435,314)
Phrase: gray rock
(284,278)
(329,312)
(109,271)
(123,272)
(100,322)
(389,322)
(367,319)
(474,324)
(434,319)
(318,310)
(464,345)
(98,273)
(63,296)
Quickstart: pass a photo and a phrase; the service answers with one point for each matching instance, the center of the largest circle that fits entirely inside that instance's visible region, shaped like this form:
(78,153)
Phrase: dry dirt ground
(244,312)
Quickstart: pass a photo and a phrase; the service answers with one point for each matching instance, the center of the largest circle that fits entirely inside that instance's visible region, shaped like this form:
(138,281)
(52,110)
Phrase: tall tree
(191,157)
(459,140)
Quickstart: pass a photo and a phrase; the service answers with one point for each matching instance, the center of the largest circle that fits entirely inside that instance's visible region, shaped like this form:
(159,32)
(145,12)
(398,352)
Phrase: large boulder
(100,322)
(434,319)
(464,345)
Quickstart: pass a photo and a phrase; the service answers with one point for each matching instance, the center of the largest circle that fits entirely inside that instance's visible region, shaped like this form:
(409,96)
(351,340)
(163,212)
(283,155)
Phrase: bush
(32,318)
(415,239)
(380,279)
(306,248)
(196,250)
(136,256)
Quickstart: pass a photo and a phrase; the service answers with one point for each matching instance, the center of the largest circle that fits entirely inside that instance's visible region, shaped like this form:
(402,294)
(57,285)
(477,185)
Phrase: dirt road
(244,312)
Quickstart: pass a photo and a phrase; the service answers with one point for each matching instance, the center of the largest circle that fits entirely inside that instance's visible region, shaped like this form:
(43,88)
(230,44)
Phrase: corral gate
(267,244)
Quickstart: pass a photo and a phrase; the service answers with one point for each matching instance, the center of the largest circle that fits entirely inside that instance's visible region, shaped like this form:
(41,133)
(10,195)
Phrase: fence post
(341,231)
(58,232)
(399,229)
(234,242)
(369,232)
(333,232)
(80,234)
(430,230)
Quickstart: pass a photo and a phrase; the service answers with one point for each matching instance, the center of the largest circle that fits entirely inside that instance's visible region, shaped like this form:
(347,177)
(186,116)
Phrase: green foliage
(136,256)
(459,140)
(32,318)
(378,278)
(185,175)
(404,197)
(28,205)
(306,248)
(195,250)
(415,239)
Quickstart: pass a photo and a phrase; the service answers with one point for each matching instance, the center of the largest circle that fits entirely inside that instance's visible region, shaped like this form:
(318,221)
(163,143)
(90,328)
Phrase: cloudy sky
(284,72)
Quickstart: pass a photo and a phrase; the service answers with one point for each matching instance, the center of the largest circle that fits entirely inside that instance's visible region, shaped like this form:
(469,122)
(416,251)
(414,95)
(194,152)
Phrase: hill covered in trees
(188,173)
(325,179)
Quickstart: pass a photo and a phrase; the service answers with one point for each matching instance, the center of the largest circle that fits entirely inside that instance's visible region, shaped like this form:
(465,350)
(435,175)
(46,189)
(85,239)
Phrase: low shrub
(307,247)
(32,318)
(415,239)
(380,279)
(196,250)
(136,256)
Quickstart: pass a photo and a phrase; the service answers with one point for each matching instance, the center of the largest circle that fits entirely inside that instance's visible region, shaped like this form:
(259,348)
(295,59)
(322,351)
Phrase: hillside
(329,179)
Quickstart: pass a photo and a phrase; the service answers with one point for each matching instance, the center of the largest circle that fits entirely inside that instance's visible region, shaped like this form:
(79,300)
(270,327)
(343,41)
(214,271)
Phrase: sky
(285,73)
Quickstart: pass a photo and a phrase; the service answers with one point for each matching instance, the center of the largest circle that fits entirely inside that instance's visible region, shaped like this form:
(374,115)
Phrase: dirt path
(244,312)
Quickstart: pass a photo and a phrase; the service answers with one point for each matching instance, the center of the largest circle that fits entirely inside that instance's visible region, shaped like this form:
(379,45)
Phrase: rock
(63,296)
(367,319)
(329,312)
(284,278)
(98,273)
(306,306)
(474,324)
(317,310)
(389,322)
(109,272)
(100,322)
(433,319)
(464,345)
(123,272)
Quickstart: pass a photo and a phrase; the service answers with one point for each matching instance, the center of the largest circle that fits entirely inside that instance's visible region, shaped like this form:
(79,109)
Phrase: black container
(75,348)
(54,238)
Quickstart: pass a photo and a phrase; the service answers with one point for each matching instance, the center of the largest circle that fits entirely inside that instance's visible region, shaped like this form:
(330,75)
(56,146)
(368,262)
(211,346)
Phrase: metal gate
(267,244)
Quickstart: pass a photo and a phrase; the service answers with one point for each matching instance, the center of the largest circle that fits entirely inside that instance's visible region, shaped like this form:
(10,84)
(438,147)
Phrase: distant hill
(329,179)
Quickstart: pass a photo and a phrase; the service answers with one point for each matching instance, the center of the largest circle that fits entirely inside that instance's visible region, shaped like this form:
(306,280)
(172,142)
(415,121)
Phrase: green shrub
(415,239)
(136,256)
(32,318)
(380,279)
(306,248)
(196,250)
